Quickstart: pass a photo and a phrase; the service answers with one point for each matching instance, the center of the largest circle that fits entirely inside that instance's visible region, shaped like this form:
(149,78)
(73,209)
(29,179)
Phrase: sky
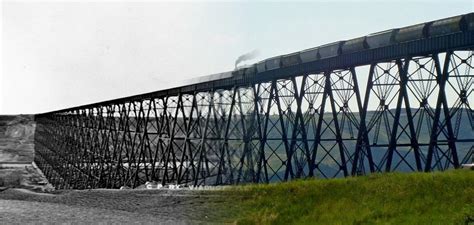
(61,54)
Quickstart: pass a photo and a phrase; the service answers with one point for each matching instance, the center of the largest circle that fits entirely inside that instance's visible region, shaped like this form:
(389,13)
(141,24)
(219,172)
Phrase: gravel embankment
(115,206)
(23,212)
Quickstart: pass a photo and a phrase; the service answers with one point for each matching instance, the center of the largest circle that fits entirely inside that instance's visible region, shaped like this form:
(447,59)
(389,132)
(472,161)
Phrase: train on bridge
(303,114)
(461,23)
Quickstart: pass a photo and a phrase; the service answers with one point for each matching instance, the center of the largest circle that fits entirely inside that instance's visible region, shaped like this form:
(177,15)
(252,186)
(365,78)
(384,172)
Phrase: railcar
(251,70)
(261,66)
(447,26)
(411,33)
(290,59)
(469,20)
(381,39)
(309,55)
(273,63)
(330,50)
(239,72)
(354,45)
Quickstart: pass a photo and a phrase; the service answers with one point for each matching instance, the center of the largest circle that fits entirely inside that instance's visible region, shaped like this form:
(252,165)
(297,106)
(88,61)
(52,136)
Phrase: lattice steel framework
(413,113)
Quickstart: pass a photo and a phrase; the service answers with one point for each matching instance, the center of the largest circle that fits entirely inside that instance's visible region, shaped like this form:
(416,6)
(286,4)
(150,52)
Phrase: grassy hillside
(393,198)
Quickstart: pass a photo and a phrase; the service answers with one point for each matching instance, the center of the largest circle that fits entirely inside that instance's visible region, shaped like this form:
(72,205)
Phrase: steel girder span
(404,107)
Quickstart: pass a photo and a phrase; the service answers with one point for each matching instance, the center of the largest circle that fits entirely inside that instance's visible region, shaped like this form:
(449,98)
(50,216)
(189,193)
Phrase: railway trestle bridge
(398,100)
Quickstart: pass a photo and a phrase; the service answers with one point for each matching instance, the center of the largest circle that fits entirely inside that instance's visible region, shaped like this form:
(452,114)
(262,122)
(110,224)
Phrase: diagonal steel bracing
(409,113)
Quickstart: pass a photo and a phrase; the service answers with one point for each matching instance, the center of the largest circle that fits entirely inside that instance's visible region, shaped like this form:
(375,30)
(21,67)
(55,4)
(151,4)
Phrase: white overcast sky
(62,54)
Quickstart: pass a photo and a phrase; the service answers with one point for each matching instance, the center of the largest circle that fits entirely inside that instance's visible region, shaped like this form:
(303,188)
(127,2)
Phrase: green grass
(390,198)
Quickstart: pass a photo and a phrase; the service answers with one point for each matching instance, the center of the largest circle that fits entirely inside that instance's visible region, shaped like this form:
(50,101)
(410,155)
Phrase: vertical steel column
(362,137)
(248,133)
(169,148)
(202,147)
(289,169)
(442,78)
(263,140)
(317,134)
(410,118)
(187,143)
(362,124)
(336,124)
(299,125)
(225,144)
(402,70)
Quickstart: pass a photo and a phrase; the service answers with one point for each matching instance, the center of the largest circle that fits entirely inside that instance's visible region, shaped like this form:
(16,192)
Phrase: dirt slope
(17,138)
(17,154)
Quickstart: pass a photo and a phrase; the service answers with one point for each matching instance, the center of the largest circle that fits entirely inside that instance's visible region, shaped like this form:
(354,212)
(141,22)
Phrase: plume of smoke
(247,56)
